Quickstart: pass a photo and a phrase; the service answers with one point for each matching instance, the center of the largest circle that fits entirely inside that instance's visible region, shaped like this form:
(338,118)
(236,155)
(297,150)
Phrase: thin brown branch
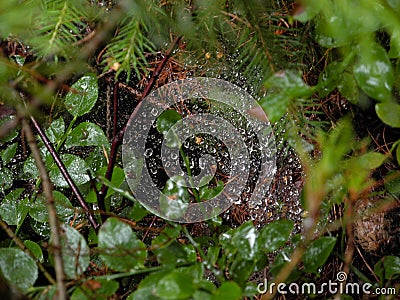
(53,220)
(65,173)
(117,140)
(21,245)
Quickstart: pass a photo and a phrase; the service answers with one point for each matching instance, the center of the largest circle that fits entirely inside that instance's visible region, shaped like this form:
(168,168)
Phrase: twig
(65,174)
(117,140)
(115,100)
(53,220)
(21,245)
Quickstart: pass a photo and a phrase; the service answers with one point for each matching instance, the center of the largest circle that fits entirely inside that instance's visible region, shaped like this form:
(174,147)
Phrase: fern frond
(126,50)
(58,28)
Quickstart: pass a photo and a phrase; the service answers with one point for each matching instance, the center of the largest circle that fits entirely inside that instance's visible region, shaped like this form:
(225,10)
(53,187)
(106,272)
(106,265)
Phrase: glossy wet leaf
(348,87)
(392,267)
(12,134)
(241,268)
(389,113)
(317,253)
(174,198)
(274,235)
(75,252)
(207,193)
(167,119)
(99,289)
(374,73)
(35,249)
(228,291)
(174,286)
(392,182)
(275,106)
(243,239)
(76,167)
(87,134)
(6,178)
(147,287)
(56,130)
(283,87)
(38,208)
(18,268)
(281,259)
(8,154)
(138,212)
(328,79)
(176,253)
(13,210)
(120,249)
(82,96)
(394,51)
(117,179)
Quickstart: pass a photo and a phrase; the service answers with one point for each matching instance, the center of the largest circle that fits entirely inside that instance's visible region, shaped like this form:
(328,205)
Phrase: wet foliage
(326,73)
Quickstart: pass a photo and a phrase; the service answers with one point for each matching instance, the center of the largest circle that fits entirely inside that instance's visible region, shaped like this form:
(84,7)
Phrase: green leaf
(275,234)
(228,291)
(176,253)
(281,259)
(174,285)
(117,178)
(166,120)
(328,79)
(389,113)
(348,87)
(12,209)
(119,247)
(87,134)
(138,212)
(374,73)
(309,9)
(317,253)
(35,249)
(147,287)
(75,252)
(398,154)
(209,193)
(394,51)
(56,130)
(392,266)
(241,268)
(38,209)
(76,167)
(284,86)
(275,106)
(8,154)
(99,289)
(392,182)
(12,134)
(82,96)
(18,268)
(6,179)
(243,239)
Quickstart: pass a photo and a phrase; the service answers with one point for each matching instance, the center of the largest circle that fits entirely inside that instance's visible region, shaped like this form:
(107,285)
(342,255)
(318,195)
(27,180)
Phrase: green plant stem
(53,220)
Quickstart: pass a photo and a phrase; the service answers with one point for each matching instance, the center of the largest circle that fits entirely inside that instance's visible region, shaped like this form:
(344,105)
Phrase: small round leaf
(82,96)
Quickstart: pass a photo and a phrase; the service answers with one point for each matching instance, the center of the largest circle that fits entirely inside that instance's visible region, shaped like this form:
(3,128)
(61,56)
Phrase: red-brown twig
(117,140)
(65,173)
